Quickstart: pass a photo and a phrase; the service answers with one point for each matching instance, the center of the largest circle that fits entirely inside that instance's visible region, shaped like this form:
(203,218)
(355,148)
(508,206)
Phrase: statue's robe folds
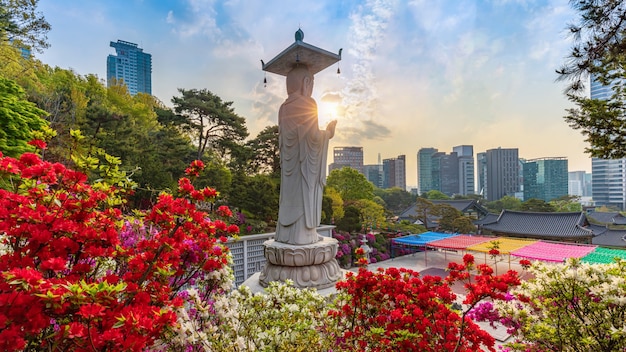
(303,153)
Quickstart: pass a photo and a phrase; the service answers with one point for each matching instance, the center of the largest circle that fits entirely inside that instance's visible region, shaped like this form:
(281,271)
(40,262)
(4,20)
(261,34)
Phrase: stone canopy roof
(536,224)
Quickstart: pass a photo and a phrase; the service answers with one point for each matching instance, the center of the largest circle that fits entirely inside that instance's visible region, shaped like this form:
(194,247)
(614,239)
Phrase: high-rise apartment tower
(131,66)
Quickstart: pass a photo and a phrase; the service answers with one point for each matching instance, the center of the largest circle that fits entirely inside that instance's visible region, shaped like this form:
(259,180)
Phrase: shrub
(75,276)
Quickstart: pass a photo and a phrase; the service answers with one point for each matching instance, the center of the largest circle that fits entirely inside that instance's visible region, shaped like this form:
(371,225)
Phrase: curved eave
(316,59)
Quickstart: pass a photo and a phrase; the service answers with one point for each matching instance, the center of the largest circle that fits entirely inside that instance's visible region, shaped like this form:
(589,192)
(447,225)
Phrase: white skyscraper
(608,176)
(465,154)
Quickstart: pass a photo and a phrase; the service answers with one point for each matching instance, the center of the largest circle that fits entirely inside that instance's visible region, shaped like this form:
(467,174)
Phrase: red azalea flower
(525,263)
(54,264)
(195,168)
(75,330)
(38,143)
(90,311)
(224,211)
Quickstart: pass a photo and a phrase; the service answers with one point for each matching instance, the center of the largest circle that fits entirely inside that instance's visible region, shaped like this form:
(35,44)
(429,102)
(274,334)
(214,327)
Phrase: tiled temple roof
(535,224)
(607,218)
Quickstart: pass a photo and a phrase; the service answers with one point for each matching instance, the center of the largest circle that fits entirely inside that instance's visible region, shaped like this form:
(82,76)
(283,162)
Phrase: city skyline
(413,74)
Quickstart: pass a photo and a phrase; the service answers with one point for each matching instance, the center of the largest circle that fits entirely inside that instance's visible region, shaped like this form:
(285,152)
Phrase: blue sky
(414,74)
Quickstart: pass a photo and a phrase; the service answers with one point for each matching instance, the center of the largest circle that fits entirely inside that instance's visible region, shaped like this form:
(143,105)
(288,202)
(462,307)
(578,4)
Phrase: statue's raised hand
(331,128)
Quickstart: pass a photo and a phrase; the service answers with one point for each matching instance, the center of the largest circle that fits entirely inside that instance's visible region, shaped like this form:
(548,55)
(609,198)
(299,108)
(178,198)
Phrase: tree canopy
(19,118)
(396,199)
(435,194)
(598,51)
(350,184)
(212,121)
(537,205)
(21,23)
(506,202)
(266,154)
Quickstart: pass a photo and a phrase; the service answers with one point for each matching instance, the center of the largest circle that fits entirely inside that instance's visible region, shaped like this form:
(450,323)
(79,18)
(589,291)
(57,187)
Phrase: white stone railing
(248,252)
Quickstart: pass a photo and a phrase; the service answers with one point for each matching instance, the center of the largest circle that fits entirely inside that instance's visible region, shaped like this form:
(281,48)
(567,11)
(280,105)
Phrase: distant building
(608,176)
(447,166)
(424,170)
(347,156)
(394,172)
(502,173)
(131,66)
(579,183)
(374,174)
(448,173)
(545,178)
(465,154)
(609,182)
(481,179)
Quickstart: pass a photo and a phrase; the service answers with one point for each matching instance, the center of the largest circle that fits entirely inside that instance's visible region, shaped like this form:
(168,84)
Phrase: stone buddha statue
(303,154)
(297,252)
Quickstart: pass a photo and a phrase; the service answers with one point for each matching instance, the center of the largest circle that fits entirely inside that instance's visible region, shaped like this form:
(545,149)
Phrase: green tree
(16,67)
(476,197)
(463,224)
(506,202)
(124,126)
(407,227)
(598,50)
(351,221)
(396,199)
(424,210)
(337,202)
(211,121)
(63,94)
(256,195)
(447,215)
(434,194)
(265,151)
(566,204)
(371,212)
(217,175)
(20,22)
(19,119)
(327,210)
(351,184)
(537,205)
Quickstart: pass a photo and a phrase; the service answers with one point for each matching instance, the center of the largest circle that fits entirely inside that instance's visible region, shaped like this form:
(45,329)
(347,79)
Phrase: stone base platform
(253,283)
(308,266)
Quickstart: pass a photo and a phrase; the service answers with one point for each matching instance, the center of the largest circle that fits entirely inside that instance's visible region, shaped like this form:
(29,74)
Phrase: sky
(414,73)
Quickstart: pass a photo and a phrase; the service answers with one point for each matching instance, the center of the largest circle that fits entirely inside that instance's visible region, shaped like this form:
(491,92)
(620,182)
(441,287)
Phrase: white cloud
(170,17)
(360,96)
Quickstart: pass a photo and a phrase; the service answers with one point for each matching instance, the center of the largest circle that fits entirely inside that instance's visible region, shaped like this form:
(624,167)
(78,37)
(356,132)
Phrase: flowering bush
(348,243)
(572,306)
(397,309)
(283,318)
(75,276)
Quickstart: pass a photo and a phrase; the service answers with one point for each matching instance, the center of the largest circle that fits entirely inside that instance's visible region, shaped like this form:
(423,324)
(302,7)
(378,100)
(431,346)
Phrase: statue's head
(300,81)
